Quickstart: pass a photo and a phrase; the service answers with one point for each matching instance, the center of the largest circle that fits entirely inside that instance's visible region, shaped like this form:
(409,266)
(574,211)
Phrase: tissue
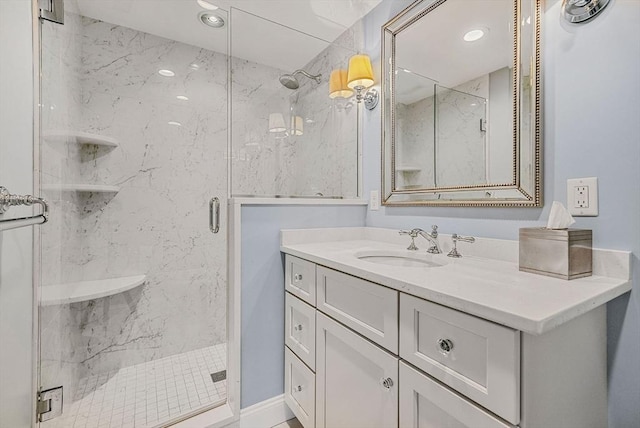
(559,217)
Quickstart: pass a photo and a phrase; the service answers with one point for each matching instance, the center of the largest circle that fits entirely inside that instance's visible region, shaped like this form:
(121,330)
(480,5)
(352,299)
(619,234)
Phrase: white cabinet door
(300,329)
(299,389)
(424,403)
(356,381)
(300,278)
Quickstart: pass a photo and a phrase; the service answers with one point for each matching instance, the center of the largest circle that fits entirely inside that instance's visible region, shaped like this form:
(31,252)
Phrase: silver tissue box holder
(561,253)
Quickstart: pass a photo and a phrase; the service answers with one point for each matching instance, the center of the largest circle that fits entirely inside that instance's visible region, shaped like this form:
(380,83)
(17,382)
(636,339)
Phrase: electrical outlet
(582,196)
(374,201)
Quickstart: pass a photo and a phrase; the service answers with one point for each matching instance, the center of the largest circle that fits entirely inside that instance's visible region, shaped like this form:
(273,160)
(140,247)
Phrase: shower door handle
(8,200)
(214,215)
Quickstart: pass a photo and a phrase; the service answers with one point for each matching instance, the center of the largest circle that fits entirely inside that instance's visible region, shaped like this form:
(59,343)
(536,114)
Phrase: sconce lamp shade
(276,122)
(297,127)
(338,85)
(360,72)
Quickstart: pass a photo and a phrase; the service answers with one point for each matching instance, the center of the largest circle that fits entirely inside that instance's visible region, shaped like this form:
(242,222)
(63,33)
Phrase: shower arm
(310,76)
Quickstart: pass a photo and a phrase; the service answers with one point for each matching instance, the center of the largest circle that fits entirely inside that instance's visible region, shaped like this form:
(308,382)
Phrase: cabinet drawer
(424,403)
(300,278)
(368,308)
(356,381)
(300,329)
(299,389)
(476,357)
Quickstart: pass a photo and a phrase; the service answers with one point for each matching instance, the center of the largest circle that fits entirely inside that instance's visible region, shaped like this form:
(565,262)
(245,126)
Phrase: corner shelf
(82,291)
(408,168)
(82,138)
(85,188)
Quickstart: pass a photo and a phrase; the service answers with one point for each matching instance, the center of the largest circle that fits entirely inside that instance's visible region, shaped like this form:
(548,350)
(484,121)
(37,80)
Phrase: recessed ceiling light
(182,98)
(206,5)
(211,20)
(473,35)
(172,123)
(194,66)
(166,73)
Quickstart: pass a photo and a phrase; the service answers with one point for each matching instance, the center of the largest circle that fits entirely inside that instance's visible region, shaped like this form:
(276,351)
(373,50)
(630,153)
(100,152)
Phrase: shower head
(289,80)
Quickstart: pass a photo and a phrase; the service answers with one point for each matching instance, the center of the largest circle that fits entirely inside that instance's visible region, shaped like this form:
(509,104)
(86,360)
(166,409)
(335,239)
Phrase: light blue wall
(591,78)
(262,337)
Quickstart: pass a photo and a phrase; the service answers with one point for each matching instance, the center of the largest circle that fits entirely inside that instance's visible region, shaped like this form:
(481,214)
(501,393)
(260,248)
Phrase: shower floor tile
(148,394)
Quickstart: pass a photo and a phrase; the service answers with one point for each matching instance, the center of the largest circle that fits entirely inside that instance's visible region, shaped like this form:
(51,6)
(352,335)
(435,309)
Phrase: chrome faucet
(431,237)
(455,238)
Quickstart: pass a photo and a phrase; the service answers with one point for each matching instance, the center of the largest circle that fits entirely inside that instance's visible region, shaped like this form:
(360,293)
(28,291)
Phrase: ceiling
(285,34)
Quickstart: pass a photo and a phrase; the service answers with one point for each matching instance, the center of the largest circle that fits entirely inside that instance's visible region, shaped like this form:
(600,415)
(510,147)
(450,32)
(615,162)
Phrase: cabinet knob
(387,383)
(445,345)
(298,327)
(297,277)
(297,388)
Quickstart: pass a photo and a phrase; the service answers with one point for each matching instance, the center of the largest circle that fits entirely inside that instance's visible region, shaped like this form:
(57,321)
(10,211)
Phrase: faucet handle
(434,230)
(413,234)
(455,238)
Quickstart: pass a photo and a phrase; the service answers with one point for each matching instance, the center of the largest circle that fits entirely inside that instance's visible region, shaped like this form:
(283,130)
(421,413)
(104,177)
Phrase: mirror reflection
(453,97)
(454,120)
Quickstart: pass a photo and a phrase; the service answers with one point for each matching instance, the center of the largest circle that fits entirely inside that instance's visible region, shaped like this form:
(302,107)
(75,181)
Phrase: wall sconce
(359,78)
(276,122)
(297,126)
(338,85)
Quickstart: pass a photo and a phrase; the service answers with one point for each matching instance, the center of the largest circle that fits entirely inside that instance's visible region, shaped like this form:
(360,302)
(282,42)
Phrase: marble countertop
(492,288)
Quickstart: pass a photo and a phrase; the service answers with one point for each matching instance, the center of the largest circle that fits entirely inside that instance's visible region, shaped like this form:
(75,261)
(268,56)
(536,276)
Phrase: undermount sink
(399,258)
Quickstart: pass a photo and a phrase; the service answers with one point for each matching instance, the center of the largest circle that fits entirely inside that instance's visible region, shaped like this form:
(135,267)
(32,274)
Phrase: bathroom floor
(148,394)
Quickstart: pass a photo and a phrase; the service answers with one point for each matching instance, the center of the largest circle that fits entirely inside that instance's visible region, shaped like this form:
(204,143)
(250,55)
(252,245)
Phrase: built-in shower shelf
(99,188)
(81,291)
(82,138)
(408,168)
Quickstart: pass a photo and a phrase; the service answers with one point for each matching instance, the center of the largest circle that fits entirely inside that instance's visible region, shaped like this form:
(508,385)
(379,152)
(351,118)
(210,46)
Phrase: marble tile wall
(323,160)
(415,144)
(327,153)
(104,80)
(460,146)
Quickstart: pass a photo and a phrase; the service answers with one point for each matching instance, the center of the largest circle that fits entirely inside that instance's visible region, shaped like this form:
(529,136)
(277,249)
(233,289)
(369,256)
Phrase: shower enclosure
(149,123)
(133,296)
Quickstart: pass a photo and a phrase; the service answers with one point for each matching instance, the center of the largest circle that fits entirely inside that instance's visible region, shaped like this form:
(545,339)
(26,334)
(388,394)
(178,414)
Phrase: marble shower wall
(323,159)
(157,224)
(450,120)
(461,151)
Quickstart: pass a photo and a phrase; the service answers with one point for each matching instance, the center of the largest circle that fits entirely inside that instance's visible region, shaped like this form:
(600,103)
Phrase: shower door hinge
(52,10)
(49,404)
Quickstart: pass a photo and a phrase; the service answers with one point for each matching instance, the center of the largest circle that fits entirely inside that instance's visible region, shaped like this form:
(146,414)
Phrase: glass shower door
(133,293)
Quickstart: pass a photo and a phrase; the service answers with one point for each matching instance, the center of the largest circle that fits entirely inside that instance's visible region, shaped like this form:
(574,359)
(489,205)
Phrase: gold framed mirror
(461,104)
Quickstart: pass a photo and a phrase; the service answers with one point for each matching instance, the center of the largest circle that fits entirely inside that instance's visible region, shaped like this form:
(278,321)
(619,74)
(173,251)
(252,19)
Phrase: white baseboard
(265,414)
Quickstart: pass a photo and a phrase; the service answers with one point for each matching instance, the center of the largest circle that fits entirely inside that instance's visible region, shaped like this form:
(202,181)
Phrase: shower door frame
(215,417)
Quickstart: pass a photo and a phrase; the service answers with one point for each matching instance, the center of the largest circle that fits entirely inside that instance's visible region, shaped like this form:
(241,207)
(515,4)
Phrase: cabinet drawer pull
(387,383)
(298,327)
(445,345)
(297,277)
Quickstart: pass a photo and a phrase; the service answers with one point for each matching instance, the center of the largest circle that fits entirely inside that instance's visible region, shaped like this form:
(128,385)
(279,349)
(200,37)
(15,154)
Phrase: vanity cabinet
(366,355)
(355,379)
(424,403)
